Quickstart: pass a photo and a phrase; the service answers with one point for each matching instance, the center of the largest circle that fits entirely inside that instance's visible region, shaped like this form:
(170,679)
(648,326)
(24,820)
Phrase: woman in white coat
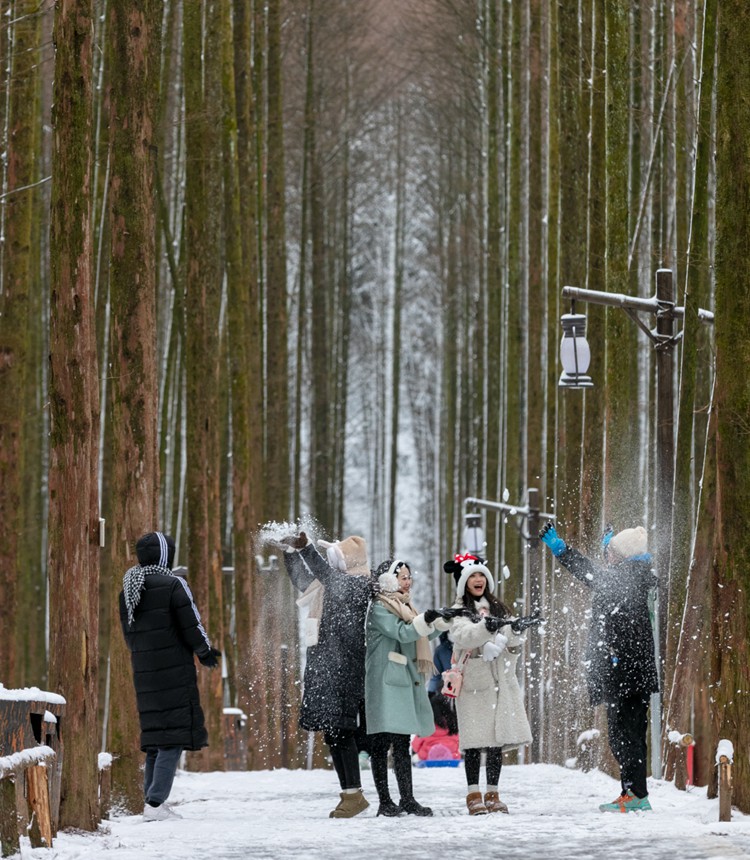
(489,707)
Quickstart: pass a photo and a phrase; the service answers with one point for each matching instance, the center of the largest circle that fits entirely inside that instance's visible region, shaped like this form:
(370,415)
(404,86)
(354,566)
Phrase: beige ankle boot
(475,804)
(351,804)
(493,803)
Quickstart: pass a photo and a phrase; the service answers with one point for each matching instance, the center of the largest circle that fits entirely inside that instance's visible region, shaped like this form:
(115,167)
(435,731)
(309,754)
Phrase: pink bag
(453,678)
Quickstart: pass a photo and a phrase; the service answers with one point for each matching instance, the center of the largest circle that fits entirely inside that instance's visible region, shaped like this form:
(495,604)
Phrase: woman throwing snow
(489,707)
(337,592)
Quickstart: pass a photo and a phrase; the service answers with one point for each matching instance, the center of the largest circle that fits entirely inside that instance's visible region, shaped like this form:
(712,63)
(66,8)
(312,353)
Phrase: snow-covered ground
(284,815)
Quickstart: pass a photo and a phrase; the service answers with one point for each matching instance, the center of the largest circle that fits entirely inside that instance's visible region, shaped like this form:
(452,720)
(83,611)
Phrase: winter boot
(351,804)
(389,809)
(411,807)
(493,803)
(627,802)
(402,767)
(475,803)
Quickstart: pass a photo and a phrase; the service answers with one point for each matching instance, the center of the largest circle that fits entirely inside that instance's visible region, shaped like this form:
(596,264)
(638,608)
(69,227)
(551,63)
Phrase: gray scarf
(134,581)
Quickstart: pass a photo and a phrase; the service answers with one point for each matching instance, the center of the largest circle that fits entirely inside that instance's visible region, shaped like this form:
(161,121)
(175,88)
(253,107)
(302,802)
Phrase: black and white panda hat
(462,567)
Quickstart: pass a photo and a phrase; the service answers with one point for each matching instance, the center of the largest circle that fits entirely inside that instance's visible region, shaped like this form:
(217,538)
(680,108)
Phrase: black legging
(379,745)
(345,755)
(494,764)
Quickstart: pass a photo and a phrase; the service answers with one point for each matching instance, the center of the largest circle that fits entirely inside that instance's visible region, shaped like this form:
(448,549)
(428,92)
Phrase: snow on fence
(724,761)
(30,766)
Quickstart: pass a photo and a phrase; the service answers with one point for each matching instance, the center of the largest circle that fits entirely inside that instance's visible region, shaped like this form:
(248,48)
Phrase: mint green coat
(396,698)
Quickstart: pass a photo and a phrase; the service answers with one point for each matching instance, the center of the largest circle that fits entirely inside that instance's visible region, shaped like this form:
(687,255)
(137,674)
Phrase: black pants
(493,764)
(627,720)
(343,746)
(379,745)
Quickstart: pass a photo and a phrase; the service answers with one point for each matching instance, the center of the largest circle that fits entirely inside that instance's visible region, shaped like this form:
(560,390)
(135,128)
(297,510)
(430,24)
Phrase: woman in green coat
(398,663)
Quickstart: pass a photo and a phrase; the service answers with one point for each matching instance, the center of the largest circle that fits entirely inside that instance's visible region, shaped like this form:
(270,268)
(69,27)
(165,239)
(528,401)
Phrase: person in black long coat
(163,630)
(620,654)
(337,592)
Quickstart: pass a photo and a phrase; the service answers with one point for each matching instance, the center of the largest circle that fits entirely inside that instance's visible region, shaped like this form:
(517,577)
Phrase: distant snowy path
(283,815)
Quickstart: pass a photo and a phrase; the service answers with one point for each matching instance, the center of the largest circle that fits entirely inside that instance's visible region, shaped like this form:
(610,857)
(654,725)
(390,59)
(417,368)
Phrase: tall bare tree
(73,561)
(15,322)
(133,393)
(731,541)
(203,288)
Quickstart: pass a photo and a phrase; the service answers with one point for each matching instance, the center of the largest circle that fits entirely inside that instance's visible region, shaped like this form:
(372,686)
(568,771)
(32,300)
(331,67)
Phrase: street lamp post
(664,339)
(474,542)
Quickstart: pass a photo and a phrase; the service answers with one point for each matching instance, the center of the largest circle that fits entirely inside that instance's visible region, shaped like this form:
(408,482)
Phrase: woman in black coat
(337,592)
(620,653)
(163,630)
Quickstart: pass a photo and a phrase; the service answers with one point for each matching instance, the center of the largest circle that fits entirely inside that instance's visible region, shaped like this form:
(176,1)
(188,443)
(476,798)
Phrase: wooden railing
(31,751)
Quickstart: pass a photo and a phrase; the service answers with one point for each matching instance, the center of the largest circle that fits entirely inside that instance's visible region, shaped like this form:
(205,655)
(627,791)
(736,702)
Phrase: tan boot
(351,804)
(493,803)
(475,804)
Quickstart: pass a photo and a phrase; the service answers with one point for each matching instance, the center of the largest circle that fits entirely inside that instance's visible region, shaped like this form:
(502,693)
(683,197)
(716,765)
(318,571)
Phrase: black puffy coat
(620,652)
(165,634)
(334,680)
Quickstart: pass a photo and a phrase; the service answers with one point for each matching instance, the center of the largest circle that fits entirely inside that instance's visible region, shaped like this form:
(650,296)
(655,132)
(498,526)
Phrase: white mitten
(494,648)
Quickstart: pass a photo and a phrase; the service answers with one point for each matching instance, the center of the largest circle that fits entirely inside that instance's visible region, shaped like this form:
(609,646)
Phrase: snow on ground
(284,815)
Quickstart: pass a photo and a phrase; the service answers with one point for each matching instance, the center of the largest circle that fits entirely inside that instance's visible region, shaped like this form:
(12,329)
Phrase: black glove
(520,624)
(494,624)
(448,613)
(431,615)
(210,658)
(299,541)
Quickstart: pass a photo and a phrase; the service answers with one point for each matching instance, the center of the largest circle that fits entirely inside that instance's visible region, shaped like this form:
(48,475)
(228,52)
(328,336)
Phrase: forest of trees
(265,260)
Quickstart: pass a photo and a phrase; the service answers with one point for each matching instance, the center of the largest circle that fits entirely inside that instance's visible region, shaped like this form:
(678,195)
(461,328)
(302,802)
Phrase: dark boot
(389,809)
(379,768)
(411,807)
(402,766)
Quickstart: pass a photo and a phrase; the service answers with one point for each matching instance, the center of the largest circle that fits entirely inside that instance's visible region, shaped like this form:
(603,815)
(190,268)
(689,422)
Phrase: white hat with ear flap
(628,543)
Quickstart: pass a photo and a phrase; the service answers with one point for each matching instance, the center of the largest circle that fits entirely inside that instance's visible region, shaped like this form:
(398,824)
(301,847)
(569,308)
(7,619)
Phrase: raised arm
(298,571)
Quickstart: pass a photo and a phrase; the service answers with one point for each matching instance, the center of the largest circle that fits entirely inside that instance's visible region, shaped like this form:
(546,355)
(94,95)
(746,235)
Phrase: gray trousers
(158,774)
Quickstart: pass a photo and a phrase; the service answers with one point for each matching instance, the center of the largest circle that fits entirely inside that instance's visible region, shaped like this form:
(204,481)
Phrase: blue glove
(609,533)
(549,536)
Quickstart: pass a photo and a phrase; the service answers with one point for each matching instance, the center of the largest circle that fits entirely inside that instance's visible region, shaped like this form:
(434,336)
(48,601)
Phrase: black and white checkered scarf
(133,582)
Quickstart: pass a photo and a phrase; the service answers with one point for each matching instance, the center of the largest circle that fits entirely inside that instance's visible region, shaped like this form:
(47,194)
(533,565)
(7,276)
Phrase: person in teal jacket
(398,663)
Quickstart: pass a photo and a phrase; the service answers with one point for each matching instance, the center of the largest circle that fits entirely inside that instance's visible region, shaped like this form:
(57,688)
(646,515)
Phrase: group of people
(370,665)
(369,661)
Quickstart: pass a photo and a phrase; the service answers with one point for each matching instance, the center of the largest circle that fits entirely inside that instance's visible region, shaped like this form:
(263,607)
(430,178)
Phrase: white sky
(284,815)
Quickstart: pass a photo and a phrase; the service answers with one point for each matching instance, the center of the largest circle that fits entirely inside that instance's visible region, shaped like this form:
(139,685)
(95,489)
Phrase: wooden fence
(31,755)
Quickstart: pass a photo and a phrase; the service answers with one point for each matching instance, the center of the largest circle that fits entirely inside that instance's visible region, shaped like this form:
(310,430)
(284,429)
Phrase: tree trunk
(203,214)
(731,540)
(15,328)
(73,561)
(133,401)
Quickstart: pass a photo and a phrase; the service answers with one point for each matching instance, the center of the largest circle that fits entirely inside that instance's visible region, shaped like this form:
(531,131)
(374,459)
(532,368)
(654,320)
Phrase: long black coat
(334,681)
(620,651)
(165,634)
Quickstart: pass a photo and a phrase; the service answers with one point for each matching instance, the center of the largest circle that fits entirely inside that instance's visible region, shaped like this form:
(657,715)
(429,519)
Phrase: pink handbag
(453,678)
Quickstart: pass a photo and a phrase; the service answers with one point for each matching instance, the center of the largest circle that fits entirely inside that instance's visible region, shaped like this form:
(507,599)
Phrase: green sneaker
(627,802)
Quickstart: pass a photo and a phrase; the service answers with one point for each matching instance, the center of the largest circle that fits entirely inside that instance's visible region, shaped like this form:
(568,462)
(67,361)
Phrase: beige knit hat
(349,554)
(628,543)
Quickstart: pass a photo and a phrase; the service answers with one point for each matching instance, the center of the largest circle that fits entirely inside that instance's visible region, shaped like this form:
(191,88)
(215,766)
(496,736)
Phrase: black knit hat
(155,548)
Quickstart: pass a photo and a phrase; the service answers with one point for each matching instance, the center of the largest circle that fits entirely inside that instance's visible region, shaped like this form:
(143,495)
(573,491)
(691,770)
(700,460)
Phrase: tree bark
(731,541)
(73,560)
(133,393)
